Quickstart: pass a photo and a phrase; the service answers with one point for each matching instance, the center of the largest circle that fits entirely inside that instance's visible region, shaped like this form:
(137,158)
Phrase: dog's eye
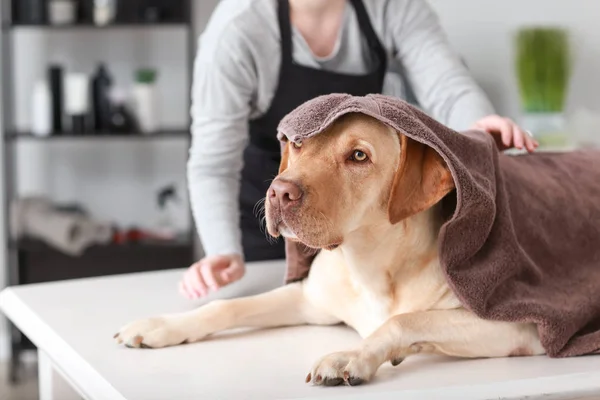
(297,145)
(359,156)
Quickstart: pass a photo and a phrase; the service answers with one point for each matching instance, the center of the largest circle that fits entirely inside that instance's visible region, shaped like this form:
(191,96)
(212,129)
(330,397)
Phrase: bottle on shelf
(41,110)
(102,83)
(62,12)
(105,12)
(77,101)
(146,100)
(168,202)
(56,79)
(29,12)
(121,118)
(86,11)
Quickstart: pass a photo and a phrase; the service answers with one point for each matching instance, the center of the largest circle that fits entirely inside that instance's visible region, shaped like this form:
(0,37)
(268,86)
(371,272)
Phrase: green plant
(145,75)
(543,68)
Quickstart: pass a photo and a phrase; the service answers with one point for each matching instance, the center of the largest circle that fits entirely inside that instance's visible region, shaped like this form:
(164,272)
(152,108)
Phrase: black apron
(297,84)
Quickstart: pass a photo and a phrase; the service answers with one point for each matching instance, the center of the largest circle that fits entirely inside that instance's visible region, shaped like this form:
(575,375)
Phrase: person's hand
(506,133)
(211,274)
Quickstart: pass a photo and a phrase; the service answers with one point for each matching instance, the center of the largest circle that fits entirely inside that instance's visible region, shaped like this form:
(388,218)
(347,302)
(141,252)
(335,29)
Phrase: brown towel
(523,242)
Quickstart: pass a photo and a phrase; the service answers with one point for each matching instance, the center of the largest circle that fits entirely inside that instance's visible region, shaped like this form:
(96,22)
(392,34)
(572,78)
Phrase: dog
(369,198)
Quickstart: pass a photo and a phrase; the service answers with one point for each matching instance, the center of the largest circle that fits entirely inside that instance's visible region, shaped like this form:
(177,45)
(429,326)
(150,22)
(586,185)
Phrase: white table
(72,324)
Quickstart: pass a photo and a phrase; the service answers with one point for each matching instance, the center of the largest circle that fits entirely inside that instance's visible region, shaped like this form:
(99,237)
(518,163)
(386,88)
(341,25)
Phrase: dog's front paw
(153,333)
(348,367)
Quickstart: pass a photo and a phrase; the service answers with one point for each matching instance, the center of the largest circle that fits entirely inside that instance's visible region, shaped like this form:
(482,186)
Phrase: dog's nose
(284,192)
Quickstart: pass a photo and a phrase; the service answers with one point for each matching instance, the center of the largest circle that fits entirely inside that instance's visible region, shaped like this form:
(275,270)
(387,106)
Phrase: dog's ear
(422,180)
(285,154)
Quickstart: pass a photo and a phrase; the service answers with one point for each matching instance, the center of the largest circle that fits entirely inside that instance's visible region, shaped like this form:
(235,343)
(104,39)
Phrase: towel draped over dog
(522,241)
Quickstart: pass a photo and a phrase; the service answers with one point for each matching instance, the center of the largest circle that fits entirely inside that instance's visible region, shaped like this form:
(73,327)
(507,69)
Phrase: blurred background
(97,185)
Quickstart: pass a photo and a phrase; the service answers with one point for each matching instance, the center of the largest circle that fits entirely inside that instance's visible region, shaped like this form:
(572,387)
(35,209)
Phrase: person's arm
(442,84)
(224,84)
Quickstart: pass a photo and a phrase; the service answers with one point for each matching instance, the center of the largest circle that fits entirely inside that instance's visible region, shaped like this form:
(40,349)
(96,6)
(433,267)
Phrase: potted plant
(543,63)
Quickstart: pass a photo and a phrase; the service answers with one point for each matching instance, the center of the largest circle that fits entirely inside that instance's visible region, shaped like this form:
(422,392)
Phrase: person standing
(260,59)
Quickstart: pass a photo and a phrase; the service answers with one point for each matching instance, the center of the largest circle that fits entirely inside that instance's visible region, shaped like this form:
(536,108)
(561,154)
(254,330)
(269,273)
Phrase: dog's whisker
(260,214)
(270,179)
(263,227)
(259,206)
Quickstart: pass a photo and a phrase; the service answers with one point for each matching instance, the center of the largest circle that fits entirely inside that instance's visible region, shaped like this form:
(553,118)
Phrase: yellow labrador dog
(369,198)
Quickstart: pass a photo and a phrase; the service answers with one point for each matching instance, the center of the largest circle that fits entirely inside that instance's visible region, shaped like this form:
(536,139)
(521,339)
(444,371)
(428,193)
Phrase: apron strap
(285,29)
(367,29)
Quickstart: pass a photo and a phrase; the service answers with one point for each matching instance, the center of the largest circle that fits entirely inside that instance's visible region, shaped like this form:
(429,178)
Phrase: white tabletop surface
(73,322)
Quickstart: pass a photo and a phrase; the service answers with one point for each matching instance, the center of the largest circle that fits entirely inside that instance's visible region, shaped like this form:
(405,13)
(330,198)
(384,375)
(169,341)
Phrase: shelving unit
(87,25)
(31,261)
(162,134)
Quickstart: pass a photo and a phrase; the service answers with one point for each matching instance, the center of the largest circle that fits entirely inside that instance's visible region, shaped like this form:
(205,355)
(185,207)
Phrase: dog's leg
(284,306)
(450,332)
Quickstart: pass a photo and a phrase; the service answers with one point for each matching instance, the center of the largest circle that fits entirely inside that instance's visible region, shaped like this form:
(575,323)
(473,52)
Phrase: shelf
(40,263)
(85,25)
(162,134)
(36,246)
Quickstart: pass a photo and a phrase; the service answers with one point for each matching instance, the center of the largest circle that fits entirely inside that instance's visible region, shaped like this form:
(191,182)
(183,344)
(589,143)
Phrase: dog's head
(358,173)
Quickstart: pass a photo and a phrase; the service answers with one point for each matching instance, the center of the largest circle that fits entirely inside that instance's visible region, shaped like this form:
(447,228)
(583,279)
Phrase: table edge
(91,383)
(553,388)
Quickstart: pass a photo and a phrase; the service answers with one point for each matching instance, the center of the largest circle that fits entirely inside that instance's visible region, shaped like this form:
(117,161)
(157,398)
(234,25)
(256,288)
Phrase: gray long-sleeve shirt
(235,78)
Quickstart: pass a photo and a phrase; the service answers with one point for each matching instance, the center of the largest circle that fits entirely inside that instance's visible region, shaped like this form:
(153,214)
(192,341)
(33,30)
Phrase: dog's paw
(342,368)
(153,333)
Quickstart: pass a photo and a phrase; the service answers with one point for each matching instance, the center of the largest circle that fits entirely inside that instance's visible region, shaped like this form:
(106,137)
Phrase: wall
(482,30)
(115,180)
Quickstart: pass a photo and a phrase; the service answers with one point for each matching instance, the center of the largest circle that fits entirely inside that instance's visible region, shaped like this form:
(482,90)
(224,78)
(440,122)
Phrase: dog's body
(378,270)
